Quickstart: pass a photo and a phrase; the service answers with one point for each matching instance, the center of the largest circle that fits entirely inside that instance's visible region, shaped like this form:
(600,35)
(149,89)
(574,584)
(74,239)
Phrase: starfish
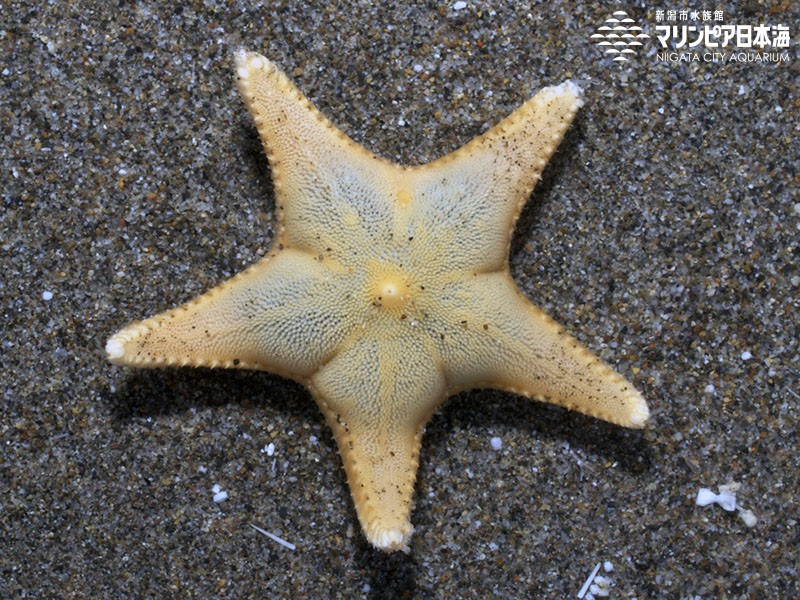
(387,289)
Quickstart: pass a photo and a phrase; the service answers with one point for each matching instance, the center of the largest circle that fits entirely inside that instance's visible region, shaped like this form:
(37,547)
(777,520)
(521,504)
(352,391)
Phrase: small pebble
(220,497)
(748,517)
(497,443)
(459,5)
(47,296)
(746,355)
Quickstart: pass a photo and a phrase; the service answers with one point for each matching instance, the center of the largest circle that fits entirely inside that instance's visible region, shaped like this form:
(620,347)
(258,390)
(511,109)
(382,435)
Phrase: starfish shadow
(165,392)
(561,162)
(390,575)
(255,160)
(478,409)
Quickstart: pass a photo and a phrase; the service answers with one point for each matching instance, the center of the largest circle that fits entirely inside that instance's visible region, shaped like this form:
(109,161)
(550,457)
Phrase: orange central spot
(391,292)
(403,197)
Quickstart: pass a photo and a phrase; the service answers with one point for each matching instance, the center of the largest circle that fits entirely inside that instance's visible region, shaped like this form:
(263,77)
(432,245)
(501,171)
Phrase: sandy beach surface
(664,235)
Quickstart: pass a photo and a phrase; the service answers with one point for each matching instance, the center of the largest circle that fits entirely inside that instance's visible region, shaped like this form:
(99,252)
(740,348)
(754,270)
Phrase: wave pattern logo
(620,36)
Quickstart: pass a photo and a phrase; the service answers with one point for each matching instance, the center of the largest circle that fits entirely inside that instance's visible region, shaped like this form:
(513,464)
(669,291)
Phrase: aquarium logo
(619,36)
(699,36)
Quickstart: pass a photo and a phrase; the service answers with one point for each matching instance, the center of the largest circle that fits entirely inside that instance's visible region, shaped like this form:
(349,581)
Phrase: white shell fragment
(748,517)
(588,582)
(597,586)
(219,495)
(269,449)
(274,537)
(727,500)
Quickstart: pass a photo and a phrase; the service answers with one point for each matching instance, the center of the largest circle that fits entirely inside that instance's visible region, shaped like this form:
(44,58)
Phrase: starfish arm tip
(246,61)
(568,88)
(389,540)
(115,348)
(639,415)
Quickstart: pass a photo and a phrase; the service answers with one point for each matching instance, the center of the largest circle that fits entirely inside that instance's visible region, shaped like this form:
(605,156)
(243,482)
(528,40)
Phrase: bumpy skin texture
(387,289)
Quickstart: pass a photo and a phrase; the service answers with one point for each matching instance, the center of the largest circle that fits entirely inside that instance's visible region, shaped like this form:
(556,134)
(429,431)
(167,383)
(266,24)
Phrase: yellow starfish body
(387,289)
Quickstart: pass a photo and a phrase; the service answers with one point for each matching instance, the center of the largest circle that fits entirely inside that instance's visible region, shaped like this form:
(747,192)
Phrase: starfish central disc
(391,291)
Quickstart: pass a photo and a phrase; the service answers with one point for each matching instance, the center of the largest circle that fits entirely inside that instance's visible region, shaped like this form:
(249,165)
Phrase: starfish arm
(285,314)
(377,396)
(471,198)
(494,337)
(333,196)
